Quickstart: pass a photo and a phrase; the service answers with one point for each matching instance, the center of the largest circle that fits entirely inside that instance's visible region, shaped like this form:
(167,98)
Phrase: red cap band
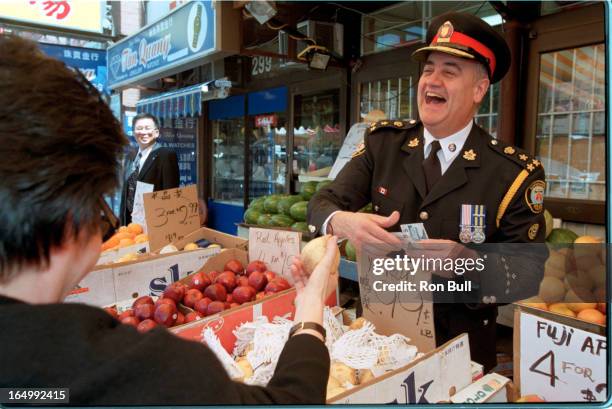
(467,41)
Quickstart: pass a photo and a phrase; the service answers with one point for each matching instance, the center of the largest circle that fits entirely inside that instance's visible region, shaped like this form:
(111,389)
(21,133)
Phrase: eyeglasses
(146,129)
(108,221)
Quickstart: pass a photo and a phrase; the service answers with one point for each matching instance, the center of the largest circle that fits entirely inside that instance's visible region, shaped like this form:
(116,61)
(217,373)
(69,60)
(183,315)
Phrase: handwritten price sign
(276,248)
(171,215)
(561,363)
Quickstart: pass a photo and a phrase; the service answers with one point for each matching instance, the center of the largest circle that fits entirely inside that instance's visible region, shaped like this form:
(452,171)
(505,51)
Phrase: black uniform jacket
(105,363)
(159,169)
(387,171)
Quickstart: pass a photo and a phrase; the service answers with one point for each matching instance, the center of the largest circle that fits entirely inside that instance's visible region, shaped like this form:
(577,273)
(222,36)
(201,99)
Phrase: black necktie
(131,184)
(431,166)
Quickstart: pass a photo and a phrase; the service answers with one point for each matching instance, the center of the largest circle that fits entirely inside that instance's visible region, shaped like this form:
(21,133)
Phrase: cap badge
(445,32)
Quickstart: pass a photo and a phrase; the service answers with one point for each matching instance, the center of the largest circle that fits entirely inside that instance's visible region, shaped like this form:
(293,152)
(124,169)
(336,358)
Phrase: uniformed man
(446,172)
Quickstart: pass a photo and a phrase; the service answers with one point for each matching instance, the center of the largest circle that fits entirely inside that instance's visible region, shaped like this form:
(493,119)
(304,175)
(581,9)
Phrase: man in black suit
(151,164)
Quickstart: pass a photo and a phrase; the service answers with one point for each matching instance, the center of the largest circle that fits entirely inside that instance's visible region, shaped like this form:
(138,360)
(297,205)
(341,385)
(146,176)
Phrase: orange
(141,238)
(110,243)
(134,228)
(125,242)
(121,229)
(561,308)
(123,235)
(592,315)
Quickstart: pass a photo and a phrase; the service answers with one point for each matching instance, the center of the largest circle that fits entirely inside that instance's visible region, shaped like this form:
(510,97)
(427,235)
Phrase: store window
(268,151)
(316,136)
(487,112)
(396,97)
(570,135)
(228,138)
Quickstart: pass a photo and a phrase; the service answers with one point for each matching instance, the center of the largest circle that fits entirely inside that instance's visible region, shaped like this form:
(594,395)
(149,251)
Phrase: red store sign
(265,120)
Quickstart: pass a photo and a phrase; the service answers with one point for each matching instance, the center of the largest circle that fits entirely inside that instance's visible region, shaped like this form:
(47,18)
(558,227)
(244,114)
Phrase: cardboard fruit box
(226,241)
(432,378)
(112,256)
(149,276)
(224,323)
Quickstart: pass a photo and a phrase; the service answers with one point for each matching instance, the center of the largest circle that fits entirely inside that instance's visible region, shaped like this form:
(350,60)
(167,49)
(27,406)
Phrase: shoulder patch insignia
(374,126)
(533,231)
(534,196)
(359,151)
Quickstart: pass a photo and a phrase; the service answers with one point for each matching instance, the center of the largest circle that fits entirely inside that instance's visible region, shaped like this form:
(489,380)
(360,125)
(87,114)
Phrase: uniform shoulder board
(516,155)
(392,124)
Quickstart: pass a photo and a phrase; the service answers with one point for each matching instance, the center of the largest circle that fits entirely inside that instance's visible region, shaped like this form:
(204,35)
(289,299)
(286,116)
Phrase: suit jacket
(387,171)
(105,363)
(159,169)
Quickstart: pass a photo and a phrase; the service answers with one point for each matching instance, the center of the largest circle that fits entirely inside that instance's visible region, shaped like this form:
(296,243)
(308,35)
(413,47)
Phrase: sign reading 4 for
(183,36)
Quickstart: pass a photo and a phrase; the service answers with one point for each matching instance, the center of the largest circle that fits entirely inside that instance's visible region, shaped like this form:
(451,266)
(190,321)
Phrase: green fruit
(251,216)
(271,204)
(259,207)
(322,184)
(549,222)
(349,249)
(264,220)
(300,226)
(561,236)
(308,189)
(280,220)
(298,211)
(285,204)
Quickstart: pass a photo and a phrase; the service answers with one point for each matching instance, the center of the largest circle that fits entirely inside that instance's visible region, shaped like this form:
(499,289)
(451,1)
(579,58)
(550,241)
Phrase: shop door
(227,181)
(565,117)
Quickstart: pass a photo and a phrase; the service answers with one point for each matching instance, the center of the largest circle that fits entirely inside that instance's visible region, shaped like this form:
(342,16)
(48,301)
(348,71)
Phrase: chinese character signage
(180,135)
(91,62)
(185,35)
(70,14)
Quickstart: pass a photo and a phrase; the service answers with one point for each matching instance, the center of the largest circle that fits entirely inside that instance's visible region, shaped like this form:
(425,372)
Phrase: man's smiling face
(449,90)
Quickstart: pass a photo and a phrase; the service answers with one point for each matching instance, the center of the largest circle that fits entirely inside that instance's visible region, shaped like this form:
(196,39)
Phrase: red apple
(227,279)
(112,312)
(258,280)
(270,275)
(146,325)
(256,265)
(125,314)
(243,294)
(144,311)
(215,307)
(213,275)
(166,315)
(162,300)
(145,299)
(130,321)
(180,318)
(191,297)
(175,291)
(202,305)
(234,266)
(276,286)
(199,281)
(282,282)
(216,292)
(192,316)
(241,281)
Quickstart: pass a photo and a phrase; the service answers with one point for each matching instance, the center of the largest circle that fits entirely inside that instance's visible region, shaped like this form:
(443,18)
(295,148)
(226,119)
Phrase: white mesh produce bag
(209,337)
(245,333)
(332,327)
(354,348)
(394,351)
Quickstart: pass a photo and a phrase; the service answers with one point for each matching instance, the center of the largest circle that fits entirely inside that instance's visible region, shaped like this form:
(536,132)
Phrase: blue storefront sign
(91,62)
(185,35)
(180,134)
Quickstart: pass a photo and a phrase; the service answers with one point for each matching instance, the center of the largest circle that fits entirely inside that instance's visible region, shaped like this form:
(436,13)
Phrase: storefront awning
(185,101)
